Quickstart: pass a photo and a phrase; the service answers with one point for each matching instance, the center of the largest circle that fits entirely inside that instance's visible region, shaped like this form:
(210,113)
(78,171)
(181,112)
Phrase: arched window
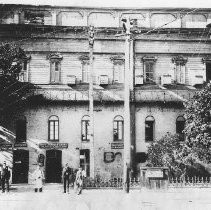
(53,128)
(85,128)
(21,130)
(180,126)
(118,128)
(149,128)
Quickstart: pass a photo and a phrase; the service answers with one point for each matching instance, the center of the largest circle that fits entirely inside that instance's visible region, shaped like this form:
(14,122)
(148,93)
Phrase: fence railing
(137,183)
(190,182)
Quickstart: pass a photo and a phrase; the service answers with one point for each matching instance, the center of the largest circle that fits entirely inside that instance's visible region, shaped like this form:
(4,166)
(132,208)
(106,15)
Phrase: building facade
(170,57)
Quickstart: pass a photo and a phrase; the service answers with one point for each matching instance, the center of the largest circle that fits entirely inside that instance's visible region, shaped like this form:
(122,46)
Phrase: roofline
(112,8)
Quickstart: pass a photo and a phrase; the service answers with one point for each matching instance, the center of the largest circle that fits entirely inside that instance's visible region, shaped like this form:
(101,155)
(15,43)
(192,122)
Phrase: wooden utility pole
(127,125)
(91,102)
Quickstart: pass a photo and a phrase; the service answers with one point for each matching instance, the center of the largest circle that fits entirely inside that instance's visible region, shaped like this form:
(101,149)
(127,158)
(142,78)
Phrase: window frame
(54,139)
(180,134)
(150,119)
(85,121)
(119,120)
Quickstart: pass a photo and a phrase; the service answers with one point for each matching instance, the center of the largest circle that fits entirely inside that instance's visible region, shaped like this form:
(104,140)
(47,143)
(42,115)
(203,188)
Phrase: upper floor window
(118,69)
(23,75)
(180,126)
(118,132)
(85,68)
(53,128)
(21,130)
(55,68)
(149,128)
(179,69)
(85,128)
(149,69)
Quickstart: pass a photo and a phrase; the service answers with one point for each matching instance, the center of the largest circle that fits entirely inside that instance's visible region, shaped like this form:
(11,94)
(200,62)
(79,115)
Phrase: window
(149,128)
(179,69)
(149,72)
(118,128)
(85,128)
(180,126)
(149,64)
(55,67)
(21,130)
(118,69)
(53,128)
(55,72)
(85,73)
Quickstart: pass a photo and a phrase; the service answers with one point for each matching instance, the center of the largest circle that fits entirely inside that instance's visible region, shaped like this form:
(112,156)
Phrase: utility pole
(127,125)
(91,102)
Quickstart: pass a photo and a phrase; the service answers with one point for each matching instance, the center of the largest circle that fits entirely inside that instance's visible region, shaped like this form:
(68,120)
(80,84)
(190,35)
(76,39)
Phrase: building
(170,57)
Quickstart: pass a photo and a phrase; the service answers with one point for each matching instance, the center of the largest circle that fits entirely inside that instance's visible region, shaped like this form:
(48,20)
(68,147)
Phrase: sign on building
(53,146)
(5,147)
(117,145)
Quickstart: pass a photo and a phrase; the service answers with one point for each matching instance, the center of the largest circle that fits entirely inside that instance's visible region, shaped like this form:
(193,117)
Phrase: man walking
(5,177)
(66,178)
(79,180)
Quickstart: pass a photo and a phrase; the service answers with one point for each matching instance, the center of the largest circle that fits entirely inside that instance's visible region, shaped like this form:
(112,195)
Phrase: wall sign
(5,147)
(20,144)
(109,157)
(53,146)
(158,173)
(117,145)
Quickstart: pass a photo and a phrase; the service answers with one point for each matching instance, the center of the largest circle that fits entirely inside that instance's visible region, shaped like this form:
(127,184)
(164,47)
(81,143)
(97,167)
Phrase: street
(54,198)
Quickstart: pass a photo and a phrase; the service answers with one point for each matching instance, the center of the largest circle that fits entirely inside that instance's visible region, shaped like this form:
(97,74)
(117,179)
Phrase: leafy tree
(169,152)
(11,62)
(198,124)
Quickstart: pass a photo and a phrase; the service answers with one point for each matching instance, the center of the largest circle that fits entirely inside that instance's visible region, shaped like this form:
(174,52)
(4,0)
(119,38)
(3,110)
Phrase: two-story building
(170,57)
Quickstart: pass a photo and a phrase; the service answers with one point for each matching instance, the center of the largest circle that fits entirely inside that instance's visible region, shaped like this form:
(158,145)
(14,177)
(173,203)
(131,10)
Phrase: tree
(169,152)
(11,62)
(198,124)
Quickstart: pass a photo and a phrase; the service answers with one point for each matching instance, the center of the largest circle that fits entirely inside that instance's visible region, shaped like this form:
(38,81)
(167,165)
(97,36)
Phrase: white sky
(117,3)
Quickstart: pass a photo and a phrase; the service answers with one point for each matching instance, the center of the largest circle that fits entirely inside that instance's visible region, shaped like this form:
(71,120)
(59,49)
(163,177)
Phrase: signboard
(20,144)
(155,173)
(53,146)
(117,145)
(5,147)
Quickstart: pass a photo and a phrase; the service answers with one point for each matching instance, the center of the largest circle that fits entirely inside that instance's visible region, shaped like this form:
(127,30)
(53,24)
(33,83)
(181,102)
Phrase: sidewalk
(53,198)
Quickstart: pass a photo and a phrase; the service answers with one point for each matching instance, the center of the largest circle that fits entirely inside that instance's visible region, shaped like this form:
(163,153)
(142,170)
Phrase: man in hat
(5,177)
(66,178)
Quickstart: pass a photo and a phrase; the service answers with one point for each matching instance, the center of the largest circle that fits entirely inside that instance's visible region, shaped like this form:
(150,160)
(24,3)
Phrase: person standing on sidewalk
(66,178)
(5,177)
(79,180)
(38,176)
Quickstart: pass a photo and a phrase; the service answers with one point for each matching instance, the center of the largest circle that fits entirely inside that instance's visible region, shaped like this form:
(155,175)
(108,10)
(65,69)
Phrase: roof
(115,93)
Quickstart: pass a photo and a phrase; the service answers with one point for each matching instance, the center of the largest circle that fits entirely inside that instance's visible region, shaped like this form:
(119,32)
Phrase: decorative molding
(84,59)
(149,59)
(206,59)
(55,56)
(118,60)
(179,60)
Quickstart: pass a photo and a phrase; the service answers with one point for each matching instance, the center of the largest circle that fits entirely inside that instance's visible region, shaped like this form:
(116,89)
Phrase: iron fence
(137,183)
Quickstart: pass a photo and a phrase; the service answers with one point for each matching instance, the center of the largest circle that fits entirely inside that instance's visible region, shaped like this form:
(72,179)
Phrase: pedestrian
(79,181)
(5,177)
(38,176)
(66,178)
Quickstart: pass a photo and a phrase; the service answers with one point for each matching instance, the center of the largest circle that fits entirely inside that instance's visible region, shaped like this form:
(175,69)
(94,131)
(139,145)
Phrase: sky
(117,3)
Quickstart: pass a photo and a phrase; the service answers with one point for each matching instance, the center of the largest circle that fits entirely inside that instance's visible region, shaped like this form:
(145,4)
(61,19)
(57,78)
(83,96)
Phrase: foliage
(170,152)
(198,124)
(11,62)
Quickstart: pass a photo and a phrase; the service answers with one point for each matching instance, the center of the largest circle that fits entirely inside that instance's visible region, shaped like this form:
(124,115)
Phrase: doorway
(20,166)
(208,71)
(85,160)
(53,166)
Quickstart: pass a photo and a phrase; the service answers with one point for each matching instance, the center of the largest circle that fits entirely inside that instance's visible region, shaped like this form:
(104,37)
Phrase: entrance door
(20,166)
(208,72)
(85,160)
(53,166)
